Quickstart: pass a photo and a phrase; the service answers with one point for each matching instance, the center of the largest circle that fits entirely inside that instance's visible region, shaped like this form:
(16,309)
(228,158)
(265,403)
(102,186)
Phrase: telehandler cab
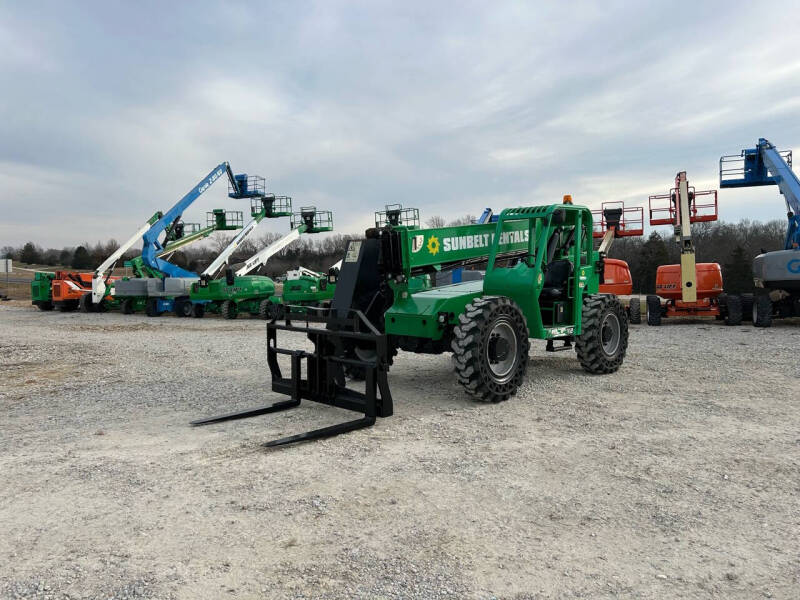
(541,282)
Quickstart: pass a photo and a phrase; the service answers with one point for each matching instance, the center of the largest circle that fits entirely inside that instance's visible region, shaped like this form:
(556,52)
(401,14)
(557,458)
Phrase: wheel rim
(610,334)
(755,312)
(501,351)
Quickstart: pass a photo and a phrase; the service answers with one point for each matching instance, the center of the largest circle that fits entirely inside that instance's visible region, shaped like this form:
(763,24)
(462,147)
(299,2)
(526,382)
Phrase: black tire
(67,306)
(747,307)
(128,306)
(762,311)
(151,308)
(603,341)
(44,306)
(733,315)
(85,304)
(183,308)
(267,310)
(491,331)
(722,302)
(198,310)
(229,309)
(653,311)
(635,311)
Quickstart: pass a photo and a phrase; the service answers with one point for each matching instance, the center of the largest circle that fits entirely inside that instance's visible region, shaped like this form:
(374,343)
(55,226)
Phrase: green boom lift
(239,292)
(133,292)
(541,282)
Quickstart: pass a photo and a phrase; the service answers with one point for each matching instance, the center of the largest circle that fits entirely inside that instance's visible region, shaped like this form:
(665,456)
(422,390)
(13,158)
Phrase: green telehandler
(541,282)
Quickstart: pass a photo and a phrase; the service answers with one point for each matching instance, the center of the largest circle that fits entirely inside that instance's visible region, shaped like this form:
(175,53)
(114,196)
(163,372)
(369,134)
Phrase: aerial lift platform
(690,289)
(776,274)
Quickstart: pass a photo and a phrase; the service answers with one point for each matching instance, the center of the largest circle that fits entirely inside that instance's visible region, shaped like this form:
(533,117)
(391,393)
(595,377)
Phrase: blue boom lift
(161,291)
(776,274)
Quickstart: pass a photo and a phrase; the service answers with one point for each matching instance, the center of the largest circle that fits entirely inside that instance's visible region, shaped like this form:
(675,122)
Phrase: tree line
(732,245)
(311,251)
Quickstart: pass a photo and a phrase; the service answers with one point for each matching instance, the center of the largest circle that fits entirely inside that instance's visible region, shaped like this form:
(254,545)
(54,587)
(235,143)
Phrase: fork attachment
(324,380)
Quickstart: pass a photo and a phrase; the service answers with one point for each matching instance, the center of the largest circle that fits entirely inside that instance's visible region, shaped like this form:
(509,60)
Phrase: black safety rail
(395,215)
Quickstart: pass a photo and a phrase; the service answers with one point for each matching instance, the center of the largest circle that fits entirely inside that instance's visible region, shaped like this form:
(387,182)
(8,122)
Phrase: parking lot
(678,476)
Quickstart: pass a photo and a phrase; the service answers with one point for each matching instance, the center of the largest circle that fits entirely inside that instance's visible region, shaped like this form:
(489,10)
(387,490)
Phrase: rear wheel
(266,310)
(747,307)
(762,311)
(86,305)
(128,306)
(151,308)
(733,315)
(653,311)
(229,310)
(490,348)
(198,310)
(183,308)
(602,344)
(44,305)
(635,311)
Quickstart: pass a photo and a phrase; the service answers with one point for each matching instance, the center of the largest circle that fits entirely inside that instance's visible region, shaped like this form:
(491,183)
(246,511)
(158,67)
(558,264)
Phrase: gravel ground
(676,477)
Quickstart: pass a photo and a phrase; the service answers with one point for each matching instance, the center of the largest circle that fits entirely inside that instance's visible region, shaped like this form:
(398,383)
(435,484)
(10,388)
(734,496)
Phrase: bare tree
(435,221)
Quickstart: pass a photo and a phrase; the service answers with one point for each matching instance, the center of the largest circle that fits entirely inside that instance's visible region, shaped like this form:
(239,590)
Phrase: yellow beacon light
(567,199)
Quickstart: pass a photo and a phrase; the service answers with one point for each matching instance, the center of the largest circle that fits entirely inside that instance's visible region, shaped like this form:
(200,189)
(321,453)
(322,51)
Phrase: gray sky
(112,110)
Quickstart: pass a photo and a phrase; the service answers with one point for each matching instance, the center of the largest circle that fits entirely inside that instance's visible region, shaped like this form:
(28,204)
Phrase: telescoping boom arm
(151,248)
(766,165)
(101,273)
(308,220)
(261,208)
(264,255)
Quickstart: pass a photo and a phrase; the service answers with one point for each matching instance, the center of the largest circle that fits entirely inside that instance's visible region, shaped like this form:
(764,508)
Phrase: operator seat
(557,272)
(555,280)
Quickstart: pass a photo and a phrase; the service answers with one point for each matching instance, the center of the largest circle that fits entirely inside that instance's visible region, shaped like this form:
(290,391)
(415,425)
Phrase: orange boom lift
(689,289)
(614,221)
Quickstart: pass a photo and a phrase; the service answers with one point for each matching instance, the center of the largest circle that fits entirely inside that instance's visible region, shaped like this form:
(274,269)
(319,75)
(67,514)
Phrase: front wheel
(653,311)
(635,311)
(229,309)
(87,305)
(198,310)
(267,310)
(183,308)
(151,308)
(733,316)
(128,307)
(490,348)
(44,305)
(603,341)
(762,311)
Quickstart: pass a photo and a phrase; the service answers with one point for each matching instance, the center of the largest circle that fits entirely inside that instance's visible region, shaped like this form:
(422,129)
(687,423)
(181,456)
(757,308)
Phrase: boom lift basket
(748,169)
(395,215)
(315,220)
(272,205)
(225,220)
(664,208)
(614,215)
(250,186)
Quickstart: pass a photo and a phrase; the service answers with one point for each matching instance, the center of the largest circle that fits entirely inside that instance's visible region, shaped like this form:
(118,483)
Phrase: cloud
(110,111)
